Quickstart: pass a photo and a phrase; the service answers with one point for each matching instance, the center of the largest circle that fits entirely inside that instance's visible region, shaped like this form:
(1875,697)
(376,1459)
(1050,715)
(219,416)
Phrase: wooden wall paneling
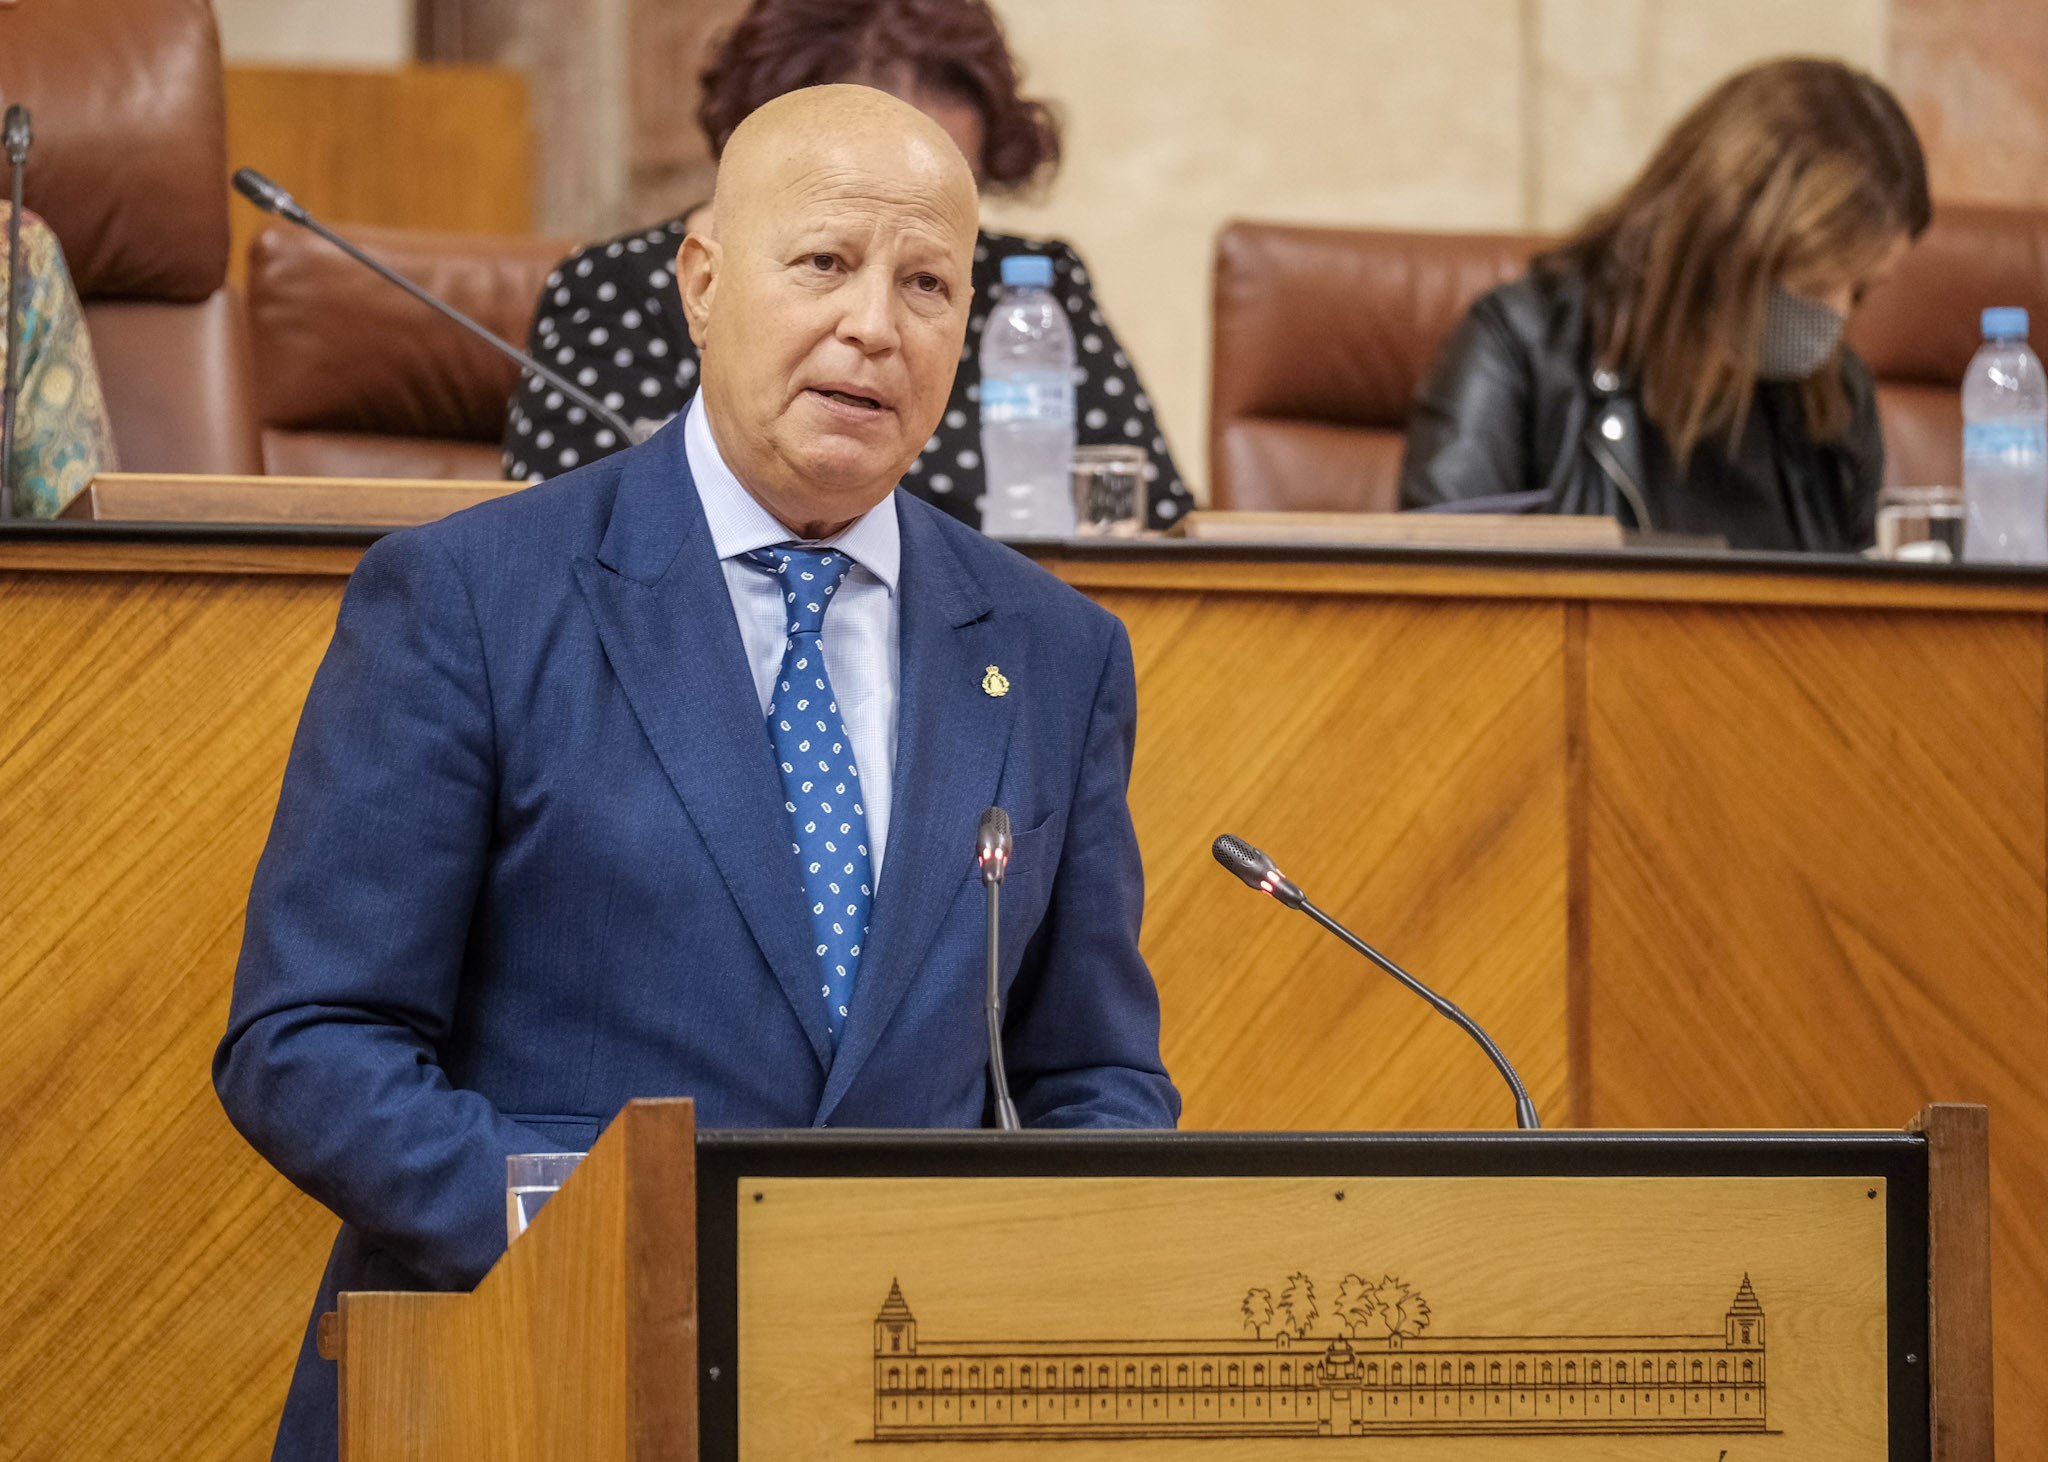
(1405,763)
(1818,864)
(438,147)
(157,1272)
(1813,892)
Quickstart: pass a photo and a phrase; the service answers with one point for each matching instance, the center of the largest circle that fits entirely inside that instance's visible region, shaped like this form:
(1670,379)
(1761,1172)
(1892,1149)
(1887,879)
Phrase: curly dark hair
(951,47)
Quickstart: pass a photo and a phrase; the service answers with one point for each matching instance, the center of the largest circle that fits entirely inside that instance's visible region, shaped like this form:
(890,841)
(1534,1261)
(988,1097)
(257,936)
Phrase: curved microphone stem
(1525,1110)
(574,392)
(999,1079)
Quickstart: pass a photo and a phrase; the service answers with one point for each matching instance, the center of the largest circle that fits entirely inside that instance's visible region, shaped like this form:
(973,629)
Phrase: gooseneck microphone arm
(17,132)
(992,851)
(1256,869)
(267,196)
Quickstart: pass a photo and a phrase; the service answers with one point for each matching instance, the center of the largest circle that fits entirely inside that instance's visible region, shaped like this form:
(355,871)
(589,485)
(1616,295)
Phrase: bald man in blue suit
(539,851)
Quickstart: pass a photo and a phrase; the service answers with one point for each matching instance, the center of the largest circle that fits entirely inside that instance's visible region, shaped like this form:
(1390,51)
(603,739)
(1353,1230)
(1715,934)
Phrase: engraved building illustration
(995,1390)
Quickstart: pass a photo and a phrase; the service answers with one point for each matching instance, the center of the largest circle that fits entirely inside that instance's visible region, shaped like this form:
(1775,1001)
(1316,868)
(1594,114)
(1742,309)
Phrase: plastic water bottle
(2005,446)
(1027,407)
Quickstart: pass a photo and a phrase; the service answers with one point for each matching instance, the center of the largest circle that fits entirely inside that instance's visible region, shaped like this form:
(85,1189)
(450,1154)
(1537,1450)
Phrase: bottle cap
(2002,322)
(1023,271)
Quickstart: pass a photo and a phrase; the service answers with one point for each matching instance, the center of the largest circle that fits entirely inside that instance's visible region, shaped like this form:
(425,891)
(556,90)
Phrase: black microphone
(992,851)
(17,134)
(1256,869)
(267,196)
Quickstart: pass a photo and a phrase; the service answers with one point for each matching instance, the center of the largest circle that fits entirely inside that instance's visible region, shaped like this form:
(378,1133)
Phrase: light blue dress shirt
(861,634)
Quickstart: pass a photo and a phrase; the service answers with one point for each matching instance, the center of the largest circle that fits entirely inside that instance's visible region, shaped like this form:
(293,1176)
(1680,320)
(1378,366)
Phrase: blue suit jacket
(530,862)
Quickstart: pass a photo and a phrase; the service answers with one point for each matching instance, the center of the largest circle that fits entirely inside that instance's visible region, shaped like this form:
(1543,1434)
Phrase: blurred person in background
(62,438)
(1678,362)
(611,319)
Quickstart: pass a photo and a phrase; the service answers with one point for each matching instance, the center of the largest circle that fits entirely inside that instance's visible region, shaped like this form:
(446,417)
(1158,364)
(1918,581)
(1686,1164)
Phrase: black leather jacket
(1515,406)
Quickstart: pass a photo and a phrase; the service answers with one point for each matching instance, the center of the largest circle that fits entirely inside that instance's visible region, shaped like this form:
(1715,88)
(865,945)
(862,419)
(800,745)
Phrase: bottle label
(1998,442)
(1039,396)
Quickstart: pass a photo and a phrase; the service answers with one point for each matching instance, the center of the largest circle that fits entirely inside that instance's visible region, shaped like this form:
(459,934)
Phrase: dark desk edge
(1154,550)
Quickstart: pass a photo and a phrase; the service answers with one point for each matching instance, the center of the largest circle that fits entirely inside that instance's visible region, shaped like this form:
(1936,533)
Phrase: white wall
(316,32)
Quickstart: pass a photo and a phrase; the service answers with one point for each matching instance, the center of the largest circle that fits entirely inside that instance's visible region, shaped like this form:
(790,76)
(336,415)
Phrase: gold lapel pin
(994,682)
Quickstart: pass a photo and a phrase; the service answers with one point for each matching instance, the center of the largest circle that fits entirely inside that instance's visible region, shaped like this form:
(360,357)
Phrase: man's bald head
(828,298)
(838,125)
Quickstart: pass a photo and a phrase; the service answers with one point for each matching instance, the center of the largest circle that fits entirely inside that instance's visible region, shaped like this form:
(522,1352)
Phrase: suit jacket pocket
(570,1134)
(1027,851)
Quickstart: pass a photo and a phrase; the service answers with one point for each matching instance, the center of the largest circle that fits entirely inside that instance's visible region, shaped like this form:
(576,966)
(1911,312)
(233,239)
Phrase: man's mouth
(849,398)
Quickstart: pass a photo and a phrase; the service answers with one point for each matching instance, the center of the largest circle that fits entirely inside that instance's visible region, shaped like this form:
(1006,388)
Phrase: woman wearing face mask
(1677,363)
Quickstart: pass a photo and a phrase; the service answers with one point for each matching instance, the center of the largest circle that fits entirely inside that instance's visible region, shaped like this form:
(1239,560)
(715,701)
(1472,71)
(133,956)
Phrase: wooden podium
(782,1295)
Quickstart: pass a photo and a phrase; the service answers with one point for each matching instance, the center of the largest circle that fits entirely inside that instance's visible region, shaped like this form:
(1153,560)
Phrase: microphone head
(266,195)
(1256,869)
(992,845)
(18,131)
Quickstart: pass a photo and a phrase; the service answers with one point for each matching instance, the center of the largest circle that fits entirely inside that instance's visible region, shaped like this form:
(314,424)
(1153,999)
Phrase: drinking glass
(1109,491)
(531,1178)
(1920,524)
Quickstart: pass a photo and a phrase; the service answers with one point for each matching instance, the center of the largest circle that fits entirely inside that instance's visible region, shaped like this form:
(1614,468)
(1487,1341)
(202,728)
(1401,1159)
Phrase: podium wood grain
(580,1343)
(1700,849)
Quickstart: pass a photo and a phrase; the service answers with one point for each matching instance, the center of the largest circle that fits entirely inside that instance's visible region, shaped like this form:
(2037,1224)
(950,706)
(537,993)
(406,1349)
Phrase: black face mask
(1800,337)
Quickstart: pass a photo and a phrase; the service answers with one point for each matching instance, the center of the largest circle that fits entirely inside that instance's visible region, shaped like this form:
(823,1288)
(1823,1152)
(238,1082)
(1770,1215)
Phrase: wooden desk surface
(1705,841)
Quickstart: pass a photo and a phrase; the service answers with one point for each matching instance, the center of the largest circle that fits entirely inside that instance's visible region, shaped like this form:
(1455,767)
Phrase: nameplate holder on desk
(1560,532)
(152,497)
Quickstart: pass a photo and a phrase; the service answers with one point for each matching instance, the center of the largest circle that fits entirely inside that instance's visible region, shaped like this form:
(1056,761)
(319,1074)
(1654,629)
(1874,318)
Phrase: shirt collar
(739,524)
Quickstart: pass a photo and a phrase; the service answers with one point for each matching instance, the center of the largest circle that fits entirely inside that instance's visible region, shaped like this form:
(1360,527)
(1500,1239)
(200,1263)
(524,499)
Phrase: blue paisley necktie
(821,784)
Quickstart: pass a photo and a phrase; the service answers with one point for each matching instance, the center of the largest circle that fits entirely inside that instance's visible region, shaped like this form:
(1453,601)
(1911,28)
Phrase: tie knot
(808,576)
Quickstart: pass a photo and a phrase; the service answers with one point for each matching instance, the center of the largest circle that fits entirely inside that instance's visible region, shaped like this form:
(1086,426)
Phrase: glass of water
(1920,524)
(1109,491)
(531,1178)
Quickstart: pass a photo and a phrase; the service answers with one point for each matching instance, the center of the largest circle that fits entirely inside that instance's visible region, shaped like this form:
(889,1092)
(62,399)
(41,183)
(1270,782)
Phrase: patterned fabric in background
(61,433)
(611,320)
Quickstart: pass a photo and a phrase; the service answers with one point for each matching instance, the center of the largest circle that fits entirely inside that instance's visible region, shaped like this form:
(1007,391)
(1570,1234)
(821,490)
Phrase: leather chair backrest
(1322,336)
(359,379)
(1919,329)
(129,168)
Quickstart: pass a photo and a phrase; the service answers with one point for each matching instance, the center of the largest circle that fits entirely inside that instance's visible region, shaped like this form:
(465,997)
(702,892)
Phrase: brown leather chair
(357,379)
(130,170)
(1920,329)
(1322,336)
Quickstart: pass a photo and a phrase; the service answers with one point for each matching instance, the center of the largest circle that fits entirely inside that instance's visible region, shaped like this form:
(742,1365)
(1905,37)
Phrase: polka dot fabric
(821,783)
(611,320)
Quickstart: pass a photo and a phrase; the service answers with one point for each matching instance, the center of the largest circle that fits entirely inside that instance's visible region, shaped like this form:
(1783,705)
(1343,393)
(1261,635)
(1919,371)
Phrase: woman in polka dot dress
(611,319)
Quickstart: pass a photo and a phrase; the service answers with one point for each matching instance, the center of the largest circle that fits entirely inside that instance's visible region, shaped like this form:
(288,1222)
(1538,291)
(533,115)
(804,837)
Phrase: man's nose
(868,311)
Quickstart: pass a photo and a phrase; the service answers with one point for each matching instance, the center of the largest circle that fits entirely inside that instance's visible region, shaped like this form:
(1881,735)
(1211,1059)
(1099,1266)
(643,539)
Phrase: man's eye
(928,284)
(824,263)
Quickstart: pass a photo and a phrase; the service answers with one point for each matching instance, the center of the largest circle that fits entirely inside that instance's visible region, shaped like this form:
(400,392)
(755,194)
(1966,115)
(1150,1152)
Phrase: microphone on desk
(17,134)
(1256,869)
(267,196)
(992,852)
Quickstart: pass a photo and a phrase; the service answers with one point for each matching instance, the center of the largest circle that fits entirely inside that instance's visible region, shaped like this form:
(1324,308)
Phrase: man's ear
(697,266)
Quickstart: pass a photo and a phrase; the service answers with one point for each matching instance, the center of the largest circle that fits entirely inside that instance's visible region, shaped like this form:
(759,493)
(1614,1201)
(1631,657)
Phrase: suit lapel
(666,621)
(951,743)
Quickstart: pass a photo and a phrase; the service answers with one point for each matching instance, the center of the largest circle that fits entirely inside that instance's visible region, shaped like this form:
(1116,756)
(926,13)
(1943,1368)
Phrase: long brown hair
(1788,167)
